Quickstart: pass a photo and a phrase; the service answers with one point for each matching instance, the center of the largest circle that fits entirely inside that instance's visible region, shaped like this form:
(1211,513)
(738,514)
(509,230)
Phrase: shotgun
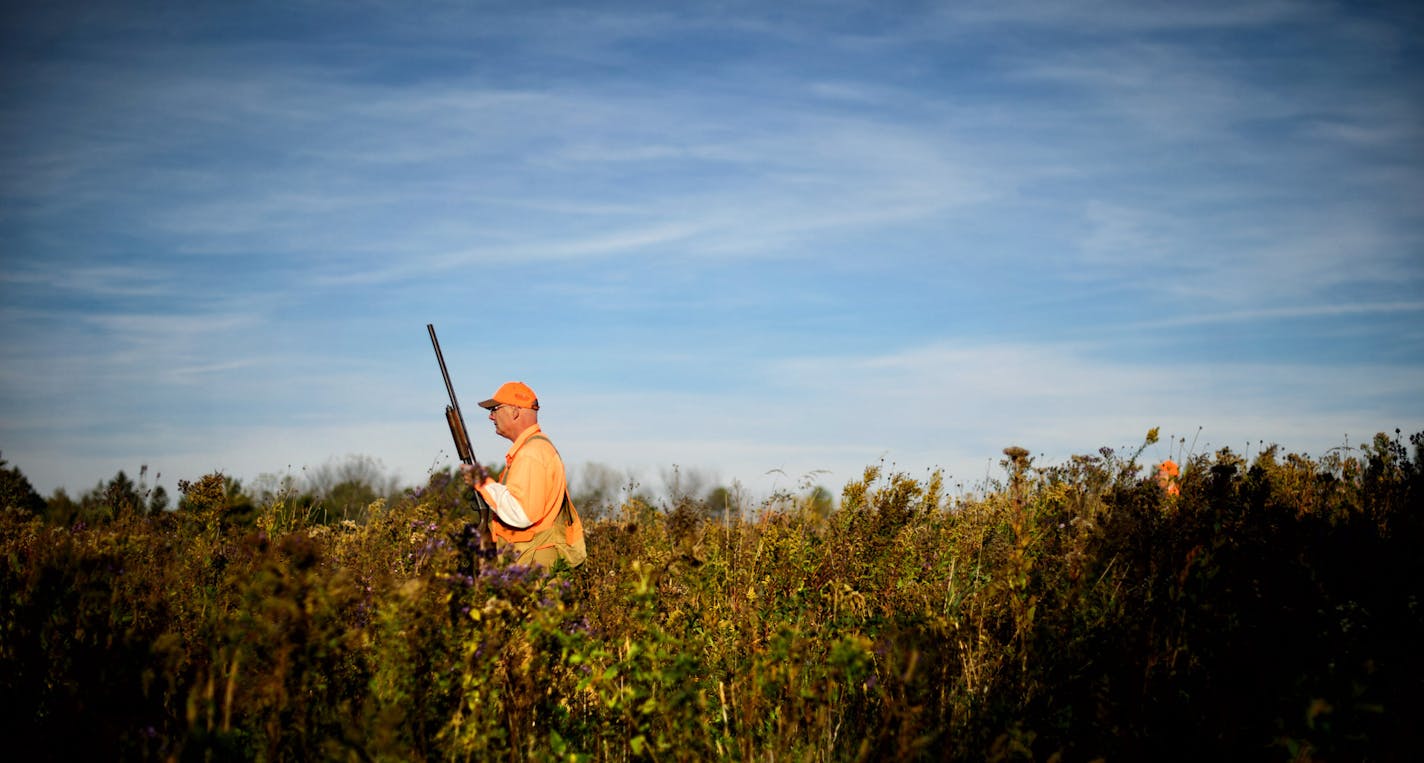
(461,435)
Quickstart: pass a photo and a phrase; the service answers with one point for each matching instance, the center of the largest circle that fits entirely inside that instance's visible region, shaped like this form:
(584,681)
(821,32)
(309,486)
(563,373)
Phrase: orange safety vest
(556,522)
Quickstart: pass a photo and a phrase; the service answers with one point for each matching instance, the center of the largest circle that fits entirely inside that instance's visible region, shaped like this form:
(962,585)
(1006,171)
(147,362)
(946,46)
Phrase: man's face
(503,417)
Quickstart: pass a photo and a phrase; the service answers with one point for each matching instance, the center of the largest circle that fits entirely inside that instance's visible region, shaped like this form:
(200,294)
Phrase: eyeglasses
(497,407)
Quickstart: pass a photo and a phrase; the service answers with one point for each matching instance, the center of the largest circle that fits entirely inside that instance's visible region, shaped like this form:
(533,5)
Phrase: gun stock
(458,433)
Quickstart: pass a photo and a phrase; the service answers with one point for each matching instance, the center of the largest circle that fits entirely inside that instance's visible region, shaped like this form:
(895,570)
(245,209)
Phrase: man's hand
(474,474)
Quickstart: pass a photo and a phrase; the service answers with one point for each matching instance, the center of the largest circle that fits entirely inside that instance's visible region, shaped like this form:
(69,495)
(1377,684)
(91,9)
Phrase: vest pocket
(556,538)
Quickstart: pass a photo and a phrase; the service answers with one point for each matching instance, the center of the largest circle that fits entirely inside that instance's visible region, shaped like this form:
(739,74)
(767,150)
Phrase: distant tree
(237,505)
(596,489)
(153,500)
(121,494)
(17,493)
(158,500)
(348,500)
(60,509)
(724,502)
(718,500)
(107,500)
(683,485)
(345,489)
(269,488)
(820,501)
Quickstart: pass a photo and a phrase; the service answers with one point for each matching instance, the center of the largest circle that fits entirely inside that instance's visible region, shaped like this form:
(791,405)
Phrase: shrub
(1267,609)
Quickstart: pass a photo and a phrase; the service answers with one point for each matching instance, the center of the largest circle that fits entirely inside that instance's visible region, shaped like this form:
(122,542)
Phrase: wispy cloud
(1119,16)
(106,280)
(1281,313)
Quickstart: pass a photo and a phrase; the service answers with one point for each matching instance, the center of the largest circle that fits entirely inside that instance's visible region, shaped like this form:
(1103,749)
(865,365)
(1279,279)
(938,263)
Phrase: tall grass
(1269,611)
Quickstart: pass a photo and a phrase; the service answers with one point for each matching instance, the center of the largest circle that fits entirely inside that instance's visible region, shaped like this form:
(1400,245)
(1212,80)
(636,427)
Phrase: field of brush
(1267,609)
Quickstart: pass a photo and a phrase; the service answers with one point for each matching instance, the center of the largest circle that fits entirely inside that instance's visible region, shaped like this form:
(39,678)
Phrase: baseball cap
(513,393)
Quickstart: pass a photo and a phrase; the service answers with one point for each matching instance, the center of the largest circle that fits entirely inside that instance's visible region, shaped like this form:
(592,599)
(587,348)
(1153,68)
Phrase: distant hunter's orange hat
(516,394)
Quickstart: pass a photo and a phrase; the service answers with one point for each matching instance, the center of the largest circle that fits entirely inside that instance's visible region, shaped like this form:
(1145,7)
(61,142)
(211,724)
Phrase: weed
(1265,610)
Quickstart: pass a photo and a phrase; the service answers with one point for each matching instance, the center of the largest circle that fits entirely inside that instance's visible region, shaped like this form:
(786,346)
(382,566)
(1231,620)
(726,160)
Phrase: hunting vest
(557,534)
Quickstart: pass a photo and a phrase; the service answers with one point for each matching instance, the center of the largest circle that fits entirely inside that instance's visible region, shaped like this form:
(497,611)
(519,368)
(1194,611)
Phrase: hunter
(532,511)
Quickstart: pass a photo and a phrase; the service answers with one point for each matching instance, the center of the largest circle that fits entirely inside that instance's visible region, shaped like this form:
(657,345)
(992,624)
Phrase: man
(1167,473)
(532,511)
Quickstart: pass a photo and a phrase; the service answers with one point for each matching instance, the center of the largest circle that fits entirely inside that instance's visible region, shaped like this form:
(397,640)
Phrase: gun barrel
(453,414)
(440,356)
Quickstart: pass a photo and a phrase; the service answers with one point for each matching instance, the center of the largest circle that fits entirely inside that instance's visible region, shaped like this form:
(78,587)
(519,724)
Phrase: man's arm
(532,488)
(504,503)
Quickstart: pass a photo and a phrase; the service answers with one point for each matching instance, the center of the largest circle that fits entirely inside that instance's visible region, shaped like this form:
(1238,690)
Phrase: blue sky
(758,241)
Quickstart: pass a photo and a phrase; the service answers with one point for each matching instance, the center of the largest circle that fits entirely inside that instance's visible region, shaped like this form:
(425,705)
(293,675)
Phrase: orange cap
(513,393)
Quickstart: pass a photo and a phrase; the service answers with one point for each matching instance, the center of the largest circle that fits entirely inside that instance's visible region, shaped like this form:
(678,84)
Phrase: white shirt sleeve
(503,502)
